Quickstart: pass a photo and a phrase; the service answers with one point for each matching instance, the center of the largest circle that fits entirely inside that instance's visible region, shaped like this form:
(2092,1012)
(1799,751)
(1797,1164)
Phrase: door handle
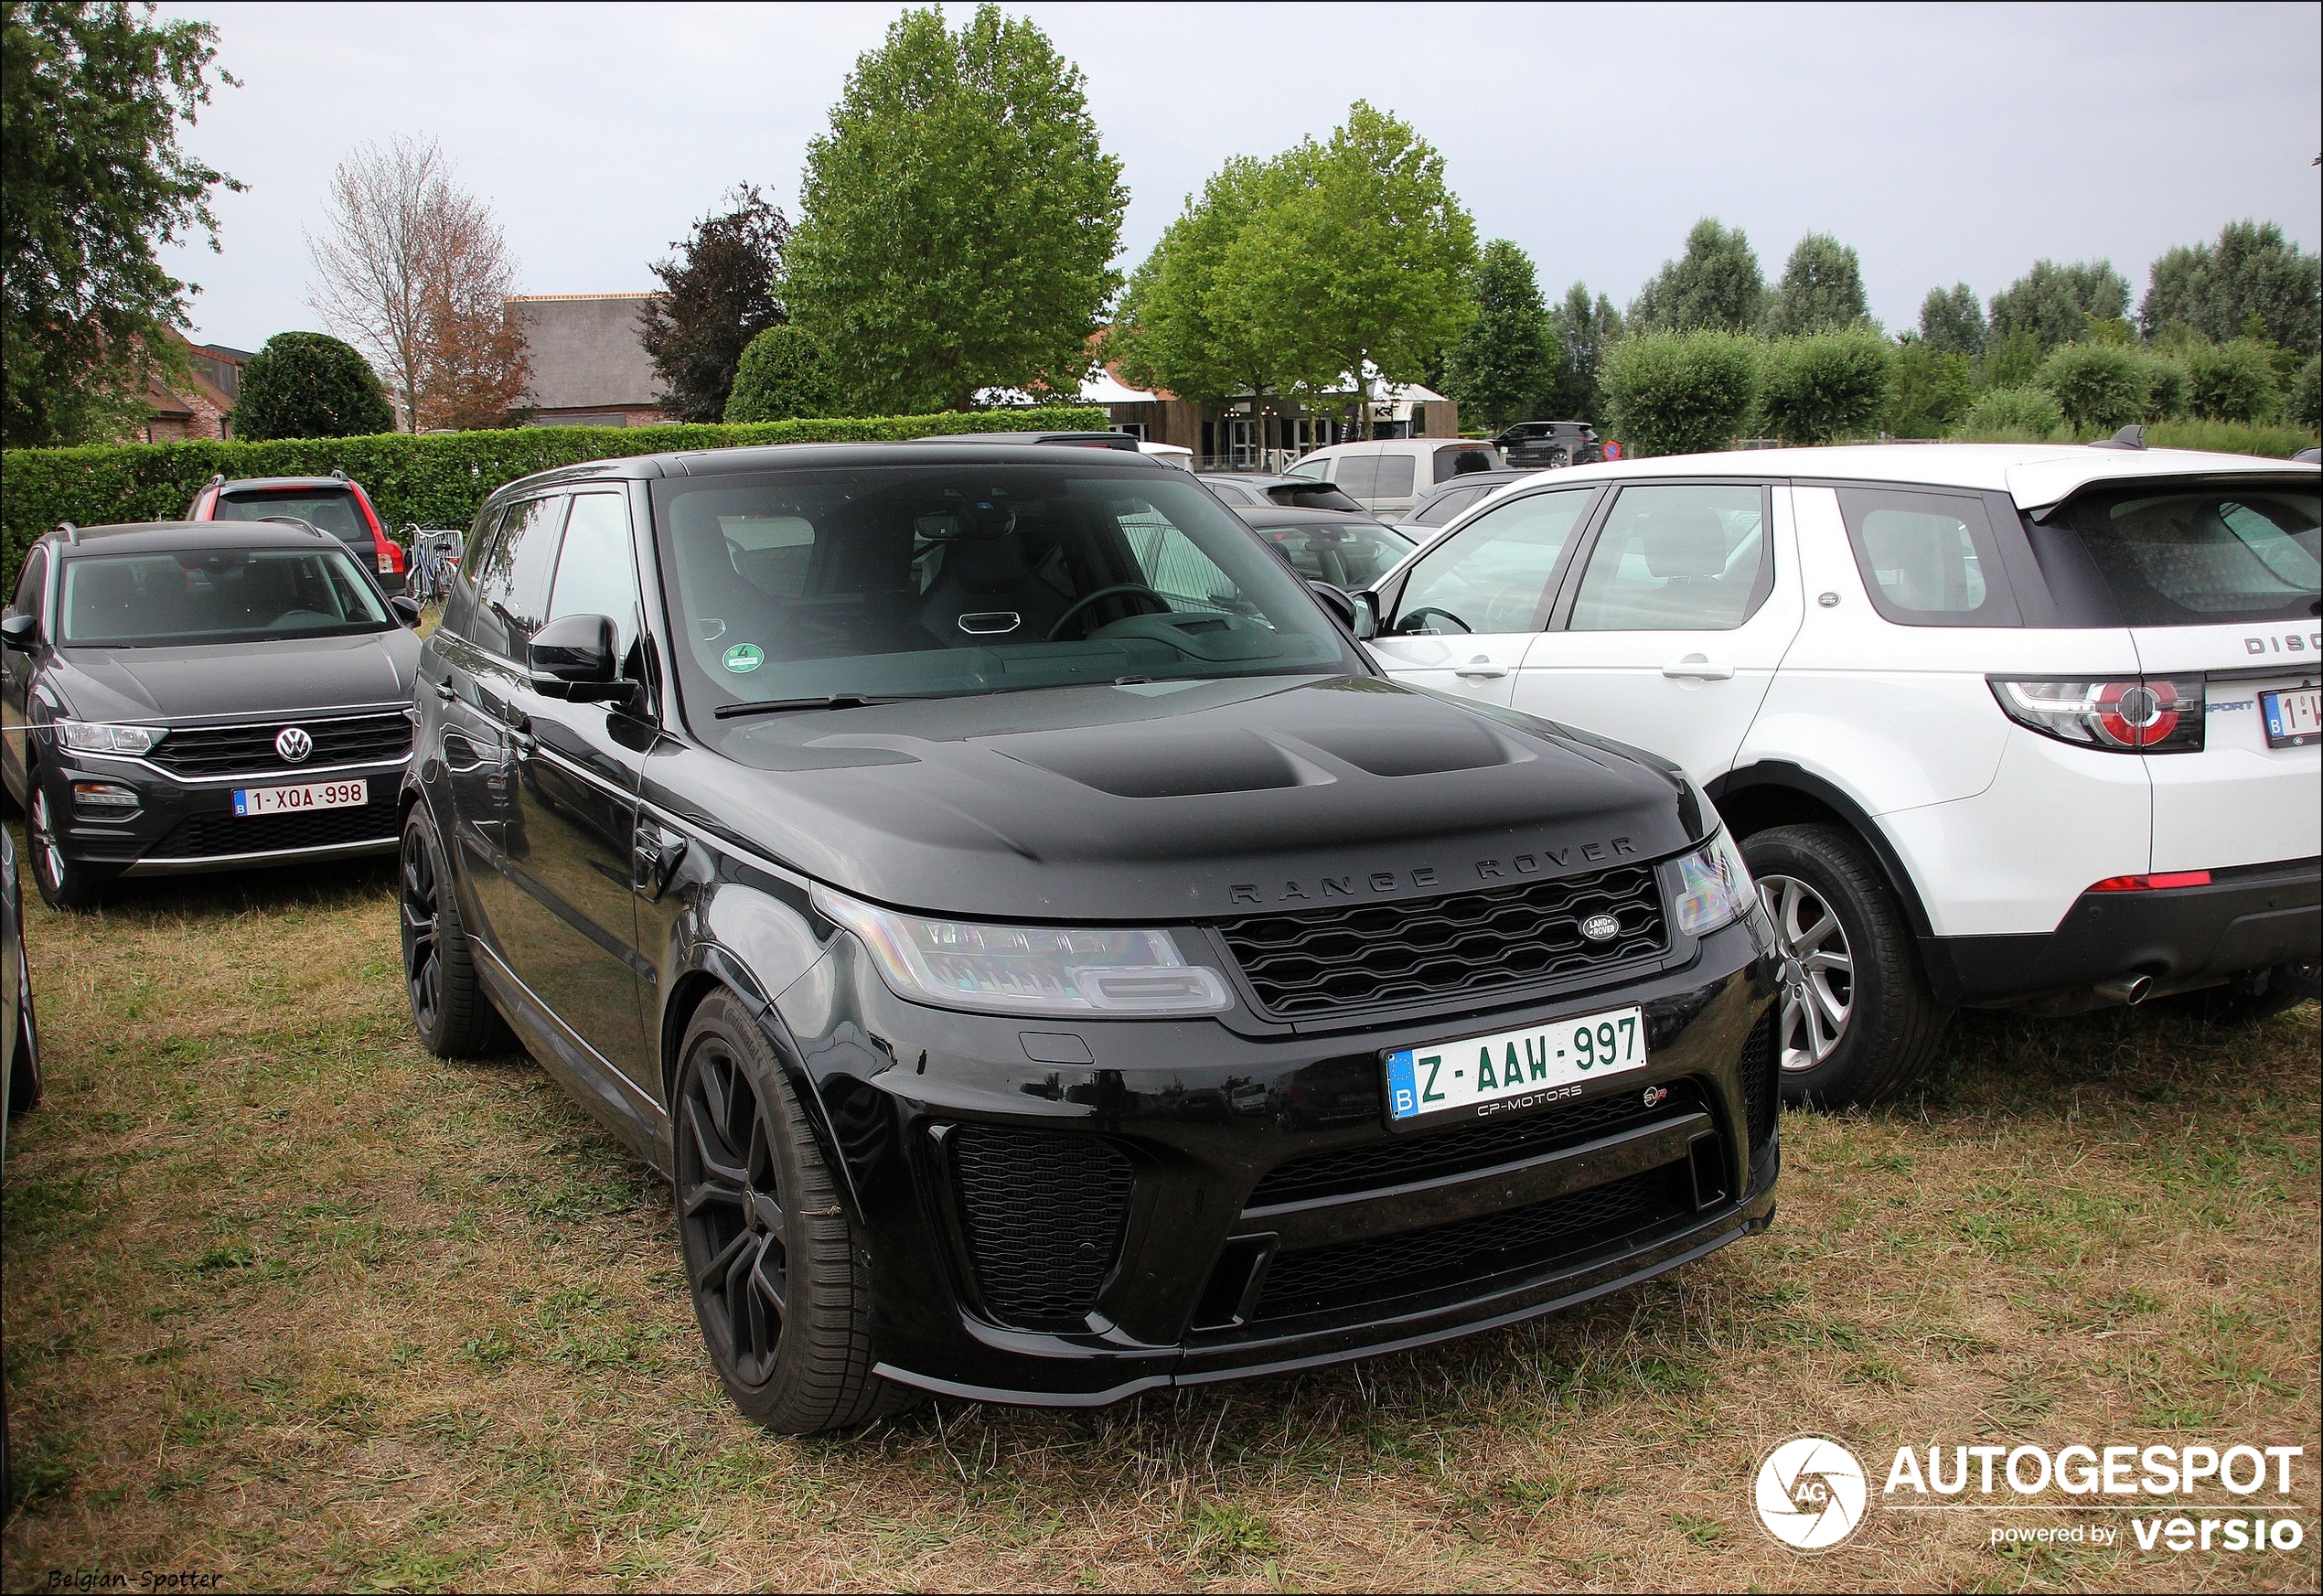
(1481,668)
(1699,668)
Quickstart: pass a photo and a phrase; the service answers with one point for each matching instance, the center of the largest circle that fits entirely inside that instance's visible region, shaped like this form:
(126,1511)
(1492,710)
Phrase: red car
(334,503)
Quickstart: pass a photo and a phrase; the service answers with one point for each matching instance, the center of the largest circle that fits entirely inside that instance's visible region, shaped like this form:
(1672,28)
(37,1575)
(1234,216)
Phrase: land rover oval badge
(293,744)
(1600,928)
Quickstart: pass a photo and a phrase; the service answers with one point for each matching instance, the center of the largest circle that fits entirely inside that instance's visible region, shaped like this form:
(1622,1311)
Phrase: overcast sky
(1946,144)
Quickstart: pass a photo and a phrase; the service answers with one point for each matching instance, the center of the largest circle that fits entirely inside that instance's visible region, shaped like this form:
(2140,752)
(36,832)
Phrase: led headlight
(95,737)
(1029,969)
(1709,887)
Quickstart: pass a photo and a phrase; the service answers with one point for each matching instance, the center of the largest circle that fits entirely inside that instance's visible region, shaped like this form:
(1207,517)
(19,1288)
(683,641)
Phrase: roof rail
(67,531)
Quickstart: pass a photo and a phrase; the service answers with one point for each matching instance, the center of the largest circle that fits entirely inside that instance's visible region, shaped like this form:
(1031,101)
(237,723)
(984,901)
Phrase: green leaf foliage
(2232,381)
(2011,358)
(2214,290)
(2056,303)
(1679,394)
(958,220)
(91,101)
(717,295)
(1176,328)
(784,374)
(1505,367)
(1929,389)
(2101,388)
(1951,321)
(1825,386)
(2305,406)
(2168,390)
(433,480)
(310,385)
(2012,415)
(1821,291)
(1715,284)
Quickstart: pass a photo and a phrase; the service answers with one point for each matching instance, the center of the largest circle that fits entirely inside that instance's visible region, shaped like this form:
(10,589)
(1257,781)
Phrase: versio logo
(1810,1493)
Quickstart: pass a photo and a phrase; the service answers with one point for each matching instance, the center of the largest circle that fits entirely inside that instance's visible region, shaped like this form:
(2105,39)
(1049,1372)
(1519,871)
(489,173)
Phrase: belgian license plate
(290,800)
(1508,1070)
(2293,719)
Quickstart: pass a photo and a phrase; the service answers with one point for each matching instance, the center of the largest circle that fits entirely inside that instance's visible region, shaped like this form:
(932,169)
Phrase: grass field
(289,1301)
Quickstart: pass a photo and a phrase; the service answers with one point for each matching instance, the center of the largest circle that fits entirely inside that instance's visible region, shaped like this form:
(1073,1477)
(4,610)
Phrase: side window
(512,585)
(1492,574)
(1451,463)
(459,605)
(26,600)
(1928,559)
(1310,468)
(1445,506)
(1678,558)
(597,568)
(1356,473)
(1395,479)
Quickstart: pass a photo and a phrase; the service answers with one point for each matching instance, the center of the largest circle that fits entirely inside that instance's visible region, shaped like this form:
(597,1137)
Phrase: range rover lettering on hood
(1426,878)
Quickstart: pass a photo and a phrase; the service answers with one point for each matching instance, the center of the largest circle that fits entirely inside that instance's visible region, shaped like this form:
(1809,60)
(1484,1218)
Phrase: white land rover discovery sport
(2033,726)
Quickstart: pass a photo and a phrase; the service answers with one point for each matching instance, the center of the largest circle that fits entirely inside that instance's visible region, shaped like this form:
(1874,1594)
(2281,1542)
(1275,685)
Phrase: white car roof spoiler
(2038,487)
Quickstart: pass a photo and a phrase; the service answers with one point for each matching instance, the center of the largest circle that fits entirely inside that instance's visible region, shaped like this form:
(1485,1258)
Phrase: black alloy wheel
(62,884)
(454,1016)
(781,1293)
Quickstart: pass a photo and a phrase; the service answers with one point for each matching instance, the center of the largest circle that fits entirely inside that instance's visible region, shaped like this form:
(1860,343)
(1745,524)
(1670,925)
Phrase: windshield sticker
(745,658)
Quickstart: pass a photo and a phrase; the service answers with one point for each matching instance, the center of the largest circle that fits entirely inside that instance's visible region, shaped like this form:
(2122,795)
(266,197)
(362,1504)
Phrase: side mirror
(572,658)
(1337,600)
(21,633)
(407,610)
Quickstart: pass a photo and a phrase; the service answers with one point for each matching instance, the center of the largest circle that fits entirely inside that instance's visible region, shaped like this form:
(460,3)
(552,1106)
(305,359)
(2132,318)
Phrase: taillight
(389,553)
(2133,715)
(2146,884)
(390,559)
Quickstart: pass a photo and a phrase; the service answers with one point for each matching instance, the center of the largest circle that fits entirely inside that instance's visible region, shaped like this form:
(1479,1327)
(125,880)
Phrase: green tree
(1825,386)
(1679,394)
(1929,389)
(2305,406)
(1506,363)
(2100,387)
(2215,289)
(1583,331)
(784,374)
(1951,321)
(2012,415)
(2010,358)
(1822,289)
(1175,329)
(958,220)
(2056,303)
(1716,285)
(2168,390)
(2232,381)
(717,295)
(90,99)
(1362,262)
(310,385)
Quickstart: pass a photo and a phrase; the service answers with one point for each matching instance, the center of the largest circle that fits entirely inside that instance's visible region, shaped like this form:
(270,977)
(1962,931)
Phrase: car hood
(1179,800)
(230,681)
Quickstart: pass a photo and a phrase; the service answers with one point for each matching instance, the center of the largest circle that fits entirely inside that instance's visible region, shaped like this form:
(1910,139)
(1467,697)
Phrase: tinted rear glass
(215,595)
(331,508)
(2208,556)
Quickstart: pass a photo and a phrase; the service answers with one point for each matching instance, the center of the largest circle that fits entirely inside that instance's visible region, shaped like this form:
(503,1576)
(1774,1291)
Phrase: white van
(1386,475)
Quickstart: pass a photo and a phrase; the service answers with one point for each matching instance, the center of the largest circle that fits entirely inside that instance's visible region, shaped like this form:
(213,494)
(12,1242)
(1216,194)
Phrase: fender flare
(1783,775)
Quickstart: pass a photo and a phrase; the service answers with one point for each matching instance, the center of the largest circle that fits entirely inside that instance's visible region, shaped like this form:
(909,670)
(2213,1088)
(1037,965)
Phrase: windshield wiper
(829,700)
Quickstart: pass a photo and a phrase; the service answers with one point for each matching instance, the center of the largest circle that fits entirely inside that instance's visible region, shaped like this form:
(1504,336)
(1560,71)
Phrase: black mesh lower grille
(1761,1090)
(231,750)
(1045,1210)
(1577,1222)
(207,836)
(1445,1151)
(1370,954)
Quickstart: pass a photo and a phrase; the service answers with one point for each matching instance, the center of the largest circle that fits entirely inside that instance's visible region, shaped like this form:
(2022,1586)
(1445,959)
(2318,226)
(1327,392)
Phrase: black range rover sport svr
(1050,960)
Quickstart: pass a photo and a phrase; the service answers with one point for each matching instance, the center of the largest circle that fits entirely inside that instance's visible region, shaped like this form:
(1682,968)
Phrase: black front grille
(233,750)
(1468,1249)
(1366,955)
(1045,1210)
(1395,1161)
(208,836)
(1761,1084)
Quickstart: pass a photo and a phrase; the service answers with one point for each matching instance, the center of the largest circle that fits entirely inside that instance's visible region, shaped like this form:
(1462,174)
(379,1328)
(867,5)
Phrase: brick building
(201,404)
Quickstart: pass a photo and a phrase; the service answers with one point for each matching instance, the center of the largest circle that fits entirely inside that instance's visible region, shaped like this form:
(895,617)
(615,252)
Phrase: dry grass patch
(288,1300)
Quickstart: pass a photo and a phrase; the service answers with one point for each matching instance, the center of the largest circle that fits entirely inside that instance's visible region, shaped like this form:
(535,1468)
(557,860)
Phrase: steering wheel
(1078,604)
(1403,623)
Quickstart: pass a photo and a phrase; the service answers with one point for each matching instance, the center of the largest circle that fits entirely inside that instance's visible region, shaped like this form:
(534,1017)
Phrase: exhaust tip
(2130,989)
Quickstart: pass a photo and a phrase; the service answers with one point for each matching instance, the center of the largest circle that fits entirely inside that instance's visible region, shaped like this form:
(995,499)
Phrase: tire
(782,1296)
(63,885)
(449,1006)
(1861,1024)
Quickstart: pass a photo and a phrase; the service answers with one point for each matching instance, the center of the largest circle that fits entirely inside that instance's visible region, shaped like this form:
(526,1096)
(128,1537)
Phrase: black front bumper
(2248,917)
(182,827)
(1185,1203)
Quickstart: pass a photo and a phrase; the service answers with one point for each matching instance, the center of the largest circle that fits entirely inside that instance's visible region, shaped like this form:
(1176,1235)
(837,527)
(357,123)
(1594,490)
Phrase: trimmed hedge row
(436,481)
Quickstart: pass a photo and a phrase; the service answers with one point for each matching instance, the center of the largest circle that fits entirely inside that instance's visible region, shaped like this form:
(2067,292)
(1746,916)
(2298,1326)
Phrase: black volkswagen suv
(1049,960)
(200,696)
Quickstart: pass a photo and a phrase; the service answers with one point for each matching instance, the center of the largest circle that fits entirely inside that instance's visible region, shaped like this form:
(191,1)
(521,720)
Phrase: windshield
(216,596)
(2207,556)
(1351,555)
(330,508)
(935,581)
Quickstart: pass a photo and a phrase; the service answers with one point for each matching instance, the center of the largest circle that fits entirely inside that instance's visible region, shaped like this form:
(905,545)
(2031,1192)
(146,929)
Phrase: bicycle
(435,558)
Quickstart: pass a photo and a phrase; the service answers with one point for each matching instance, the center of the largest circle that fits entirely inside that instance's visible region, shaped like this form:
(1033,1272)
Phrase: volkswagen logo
(293,744)
(1600,928)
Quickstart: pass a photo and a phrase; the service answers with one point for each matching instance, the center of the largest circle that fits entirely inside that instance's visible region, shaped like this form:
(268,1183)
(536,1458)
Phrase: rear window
(331,508)
(1451,463)
(1298,495)
(2204,556)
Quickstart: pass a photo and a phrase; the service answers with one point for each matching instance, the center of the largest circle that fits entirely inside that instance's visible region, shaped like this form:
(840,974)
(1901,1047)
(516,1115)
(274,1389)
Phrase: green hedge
(437,481)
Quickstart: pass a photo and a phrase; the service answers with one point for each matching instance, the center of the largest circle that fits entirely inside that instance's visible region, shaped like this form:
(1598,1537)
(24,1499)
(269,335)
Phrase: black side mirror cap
(577,657)
(1358,612)
(21,633)
(407,610)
